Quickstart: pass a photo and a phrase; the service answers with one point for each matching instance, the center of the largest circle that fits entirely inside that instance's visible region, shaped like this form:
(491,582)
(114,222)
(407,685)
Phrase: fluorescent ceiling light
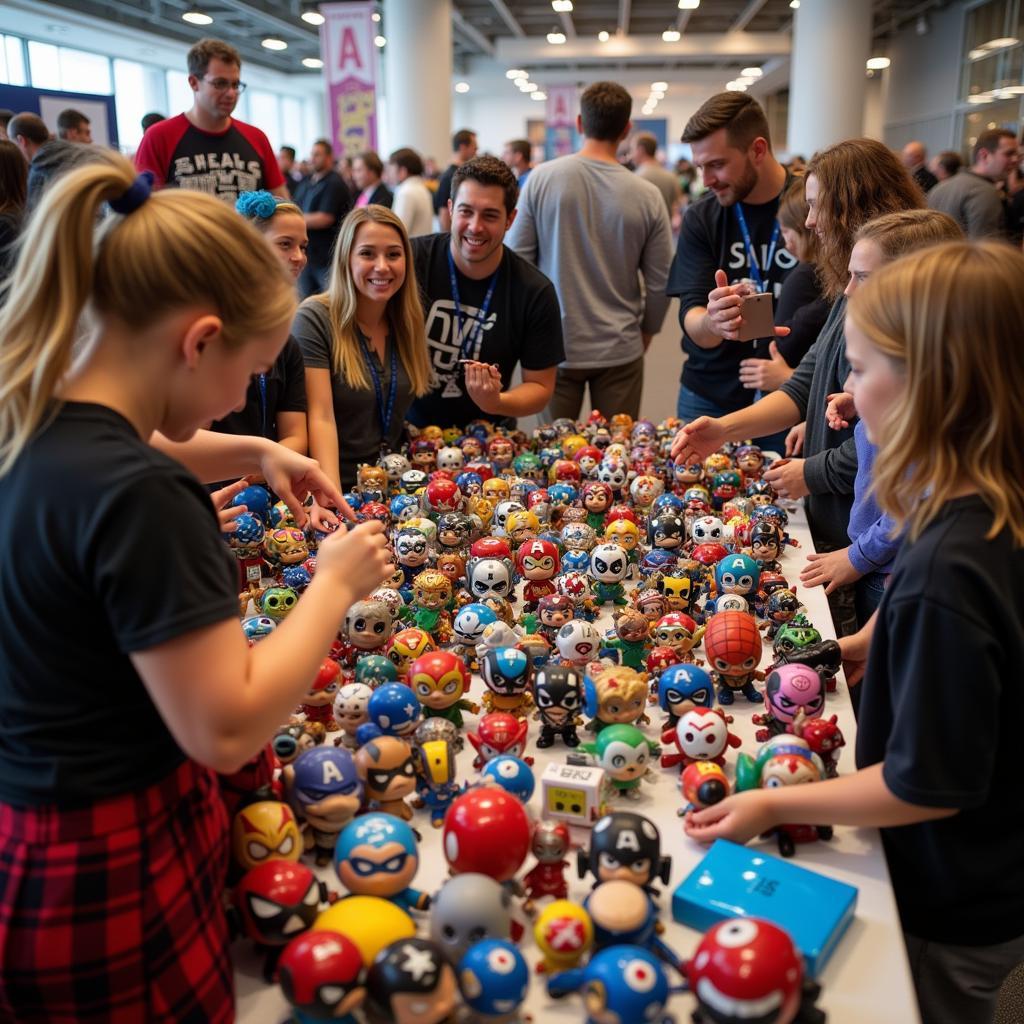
(514,73)
(312,62)
(877,63)
(556,38)
(659,86)
(380,41)
(689,5)
(194,16)
(603,37)
(735,87)
(752,72)
(462,86)
(671,35)
(313,18)
(538,96)
(270,43)
(531,87)
(562,6)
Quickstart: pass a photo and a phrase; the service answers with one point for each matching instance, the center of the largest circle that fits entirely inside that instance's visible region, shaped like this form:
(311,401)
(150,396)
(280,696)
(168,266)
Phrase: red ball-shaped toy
(732,641)
(487,831)
(277,900)
(743,963)
(321,974)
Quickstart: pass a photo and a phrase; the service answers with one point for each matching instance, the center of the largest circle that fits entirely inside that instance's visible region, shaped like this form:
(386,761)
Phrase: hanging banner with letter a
(561,108)
(350,76)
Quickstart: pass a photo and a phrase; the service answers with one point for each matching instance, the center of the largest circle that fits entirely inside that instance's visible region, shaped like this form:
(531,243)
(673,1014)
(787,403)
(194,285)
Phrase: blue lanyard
(263,403)
(384,412)
(471,337)
(755,266)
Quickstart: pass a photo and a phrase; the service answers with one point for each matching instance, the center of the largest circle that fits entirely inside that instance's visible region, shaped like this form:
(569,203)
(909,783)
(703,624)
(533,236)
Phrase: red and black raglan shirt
(224,164)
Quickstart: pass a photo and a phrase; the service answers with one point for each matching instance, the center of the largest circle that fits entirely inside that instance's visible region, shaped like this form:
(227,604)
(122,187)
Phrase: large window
(138,90)
(993,68)
(265,113)
(12,61)
(60,67)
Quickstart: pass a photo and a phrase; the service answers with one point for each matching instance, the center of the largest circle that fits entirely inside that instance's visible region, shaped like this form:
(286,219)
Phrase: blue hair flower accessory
(259,204)
(135,195)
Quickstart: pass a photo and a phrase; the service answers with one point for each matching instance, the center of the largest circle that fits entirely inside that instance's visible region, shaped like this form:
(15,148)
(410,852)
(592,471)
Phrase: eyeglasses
(222,85)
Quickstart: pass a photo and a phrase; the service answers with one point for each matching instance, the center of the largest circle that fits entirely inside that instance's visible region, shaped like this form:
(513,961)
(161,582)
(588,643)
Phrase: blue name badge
(732,881)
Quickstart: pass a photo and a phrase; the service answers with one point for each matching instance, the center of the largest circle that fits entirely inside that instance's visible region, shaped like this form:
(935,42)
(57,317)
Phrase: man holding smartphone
(730,247)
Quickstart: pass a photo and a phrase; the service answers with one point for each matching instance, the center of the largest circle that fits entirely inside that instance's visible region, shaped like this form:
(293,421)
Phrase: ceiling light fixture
(380,42)
(877,63)
(313,17)
(795,4)
(531,87)
(462,86)
(561,6)
(671,35)
(659,86)
(515,73)
(312,62)
(556,38)
(375,16)
(194,16)
(689,5)
(752,72)
(538,96)
(603,37)
(735,86)
(270,43)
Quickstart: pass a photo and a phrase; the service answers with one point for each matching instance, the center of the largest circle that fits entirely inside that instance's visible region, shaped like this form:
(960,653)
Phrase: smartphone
(758,317)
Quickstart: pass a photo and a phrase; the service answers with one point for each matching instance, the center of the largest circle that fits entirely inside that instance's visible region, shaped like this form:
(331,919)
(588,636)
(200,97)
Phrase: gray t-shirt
(594,228)
(355,411)
(667,183)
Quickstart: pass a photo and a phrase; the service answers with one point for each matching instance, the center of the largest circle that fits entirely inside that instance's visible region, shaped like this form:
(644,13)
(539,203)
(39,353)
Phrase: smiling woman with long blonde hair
(364,345)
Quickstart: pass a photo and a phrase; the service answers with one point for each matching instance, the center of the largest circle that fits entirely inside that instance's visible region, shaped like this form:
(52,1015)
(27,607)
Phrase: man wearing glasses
(205,148)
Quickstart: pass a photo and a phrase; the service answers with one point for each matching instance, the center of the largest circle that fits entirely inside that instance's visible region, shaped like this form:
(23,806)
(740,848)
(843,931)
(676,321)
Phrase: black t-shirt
(108,547)
(285,392)
(802,308)
(523,325)
(942,706)
(711,239)
(444,188)
(329,194)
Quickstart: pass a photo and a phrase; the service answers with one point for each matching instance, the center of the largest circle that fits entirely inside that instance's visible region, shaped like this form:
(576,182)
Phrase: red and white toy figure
(703,783)
(747,969)
(538,564)
(701,734)
(318,704)
(486,831)
(823,736)
(732,643)
(550,844)
(321,975)
(497,733)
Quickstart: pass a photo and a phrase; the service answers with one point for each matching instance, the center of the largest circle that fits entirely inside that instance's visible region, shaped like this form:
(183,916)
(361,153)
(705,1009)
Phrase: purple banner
(350,76)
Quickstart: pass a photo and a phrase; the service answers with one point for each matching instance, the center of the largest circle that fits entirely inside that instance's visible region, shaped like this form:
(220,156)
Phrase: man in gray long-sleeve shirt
(594,228)
(971,197)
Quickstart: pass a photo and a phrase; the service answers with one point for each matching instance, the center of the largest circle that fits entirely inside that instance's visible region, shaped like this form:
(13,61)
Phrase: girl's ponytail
(176,249)
(49,289)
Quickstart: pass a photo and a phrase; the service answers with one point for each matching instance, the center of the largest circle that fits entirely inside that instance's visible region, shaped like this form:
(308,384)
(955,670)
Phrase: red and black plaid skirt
(113,912)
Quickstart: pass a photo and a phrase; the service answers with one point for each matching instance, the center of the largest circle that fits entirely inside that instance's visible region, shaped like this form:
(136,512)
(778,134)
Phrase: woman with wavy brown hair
(847,185)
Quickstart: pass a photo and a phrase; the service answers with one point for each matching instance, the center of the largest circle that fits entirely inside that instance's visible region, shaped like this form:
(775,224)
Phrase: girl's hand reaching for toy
(358,557)
(221,500)
(740,818)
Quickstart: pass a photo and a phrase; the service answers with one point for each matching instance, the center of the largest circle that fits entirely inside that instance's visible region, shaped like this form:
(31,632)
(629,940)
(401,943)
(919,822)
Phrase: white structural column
(418,76)
(831,43)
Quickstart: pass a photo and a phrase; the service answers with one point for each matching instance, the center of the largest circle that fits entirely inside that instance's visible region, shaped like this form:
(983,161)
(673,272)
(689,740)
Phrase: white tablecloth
(867,978)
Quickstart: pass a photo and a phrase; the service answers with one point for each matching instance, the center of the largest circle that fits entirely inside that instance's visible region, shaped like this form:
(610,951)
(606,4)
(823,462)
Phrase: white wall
(924,82)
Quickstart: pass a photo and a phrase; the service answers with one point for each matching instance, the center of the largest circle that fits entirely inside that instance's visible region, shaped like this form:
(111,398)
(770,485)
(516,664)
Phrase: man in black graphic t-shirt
(206,149)
(732,147)
(502,311)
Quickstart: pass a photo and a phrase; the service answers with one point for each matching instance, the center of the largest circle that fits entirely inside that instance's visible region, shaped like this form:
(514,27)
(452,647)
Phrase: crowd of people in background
(363,297)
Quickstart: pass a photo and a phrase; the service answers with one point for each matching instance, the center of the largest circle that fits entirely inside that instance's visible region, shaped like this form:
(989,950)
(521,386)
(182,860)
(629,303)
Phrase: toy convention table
(867,978)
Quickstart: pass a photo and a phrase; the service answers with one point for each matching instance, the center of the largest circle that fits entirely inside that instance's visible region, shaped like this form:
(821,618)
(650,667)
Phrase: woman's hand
(483,385)
(739,818)
(840,410)
(855,649)
(358,557)
(222,499)
(293,477)
(765,374)
(323,519)
(698,439)
(832,567)
(787,477)
(795,440)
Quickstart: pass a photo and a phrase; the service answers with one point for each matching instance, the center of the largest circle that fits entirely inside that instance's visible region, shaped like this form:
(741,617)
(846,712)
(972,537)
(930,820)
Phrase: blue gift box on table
(732,881)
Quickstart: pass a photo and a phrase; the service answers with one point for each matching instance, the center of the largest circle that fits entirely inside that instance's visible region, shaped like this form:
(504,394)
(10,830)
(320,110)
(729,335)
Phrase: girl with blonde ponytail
(125,678)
